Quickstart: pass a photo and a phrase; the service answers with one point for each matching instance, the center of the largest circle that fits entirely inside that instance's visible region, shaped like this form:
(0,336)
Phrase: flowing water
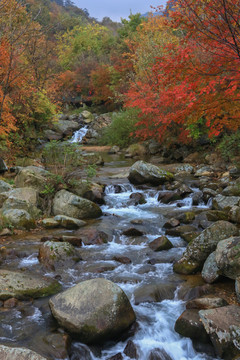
(79,135)
(29,323)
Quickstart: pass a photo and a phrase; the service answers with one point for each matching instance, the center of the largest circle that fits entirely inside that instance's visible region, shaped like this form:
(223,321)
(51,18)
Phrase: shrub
(62,157)
(121,129)
(230,145)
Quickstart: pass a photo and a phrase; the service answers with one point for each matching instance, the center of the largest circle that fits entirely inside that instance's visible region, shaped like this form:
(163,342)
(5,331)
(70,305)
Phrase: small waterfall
(79,135)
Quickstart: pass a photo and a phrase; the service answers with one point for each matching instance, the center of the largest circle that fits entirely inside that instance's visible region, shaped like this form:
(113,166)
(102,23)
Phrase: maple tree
(23,70)
(195,78)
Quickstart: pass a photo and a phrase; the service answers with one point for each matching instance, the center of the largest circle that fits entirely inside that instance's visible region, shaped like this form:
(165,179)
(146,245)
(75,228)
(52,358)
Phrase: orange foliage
(196,77)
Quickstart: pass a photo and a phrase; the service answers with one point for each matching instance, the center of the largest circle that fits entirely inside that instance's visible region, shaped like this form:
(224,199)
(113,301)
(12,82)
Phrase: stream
(30,323)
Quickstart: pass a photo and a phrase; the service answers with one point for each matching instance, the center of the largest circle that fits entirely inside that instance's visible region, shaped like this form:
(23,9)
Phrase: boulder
(186,217)
(154,292)
(68,204)
(142,173)
(88,190)
(4,187)
(68,222)
(159,354)
(52,135)
(66,127)
(22,285)
(136,199)
(92,236)
(32,176)
(53,254)
(87,114)
(56,345)
(210,271)
(225,203)
(171,223)
(27,194)
(234,214)
(181,230)
(231,190)
(215,215)
(19,219)
(94,310)
(118,356)
(228,257)
(131,350)
(206,303)
(202,246)
(161,243)
(185,168)
(132,232)
(166,197)
(10,353)
(222,324)
(50,223)
(190,325)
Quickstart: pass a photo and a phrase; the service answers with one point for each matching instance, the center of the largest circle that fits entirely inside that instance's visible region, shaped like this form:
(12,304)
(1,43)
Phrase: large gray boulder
(19,218)
(66,127)
(202,246)
(228,257)
(68,222)
(234,214)
(27,194)
(4,187)
(22,285)
(10,353)
(53,254)
(68,204)
(142,172)
(20,207)
(223,326)
(225,203)
(94,310)
(32,176)
(210,271)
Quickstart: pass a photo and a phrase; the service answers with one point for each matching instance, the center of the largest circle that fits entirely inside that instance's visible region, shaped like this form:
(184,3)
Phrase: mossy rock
(93,311)
(23,285)
(142,172)
(186,267)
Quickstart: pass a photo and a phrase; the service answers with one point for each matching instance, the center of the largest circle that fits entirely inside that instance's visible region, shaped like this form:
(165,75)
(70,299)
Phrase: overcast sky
(115,9)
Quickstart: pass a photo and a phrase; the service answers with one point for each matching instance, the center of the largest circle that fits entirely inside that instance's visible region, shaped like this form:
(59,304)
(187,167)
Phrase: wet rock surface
(22,285)
(222,324)
(202,246)
(68,204)
(94,310)
(9,353)
(142,173)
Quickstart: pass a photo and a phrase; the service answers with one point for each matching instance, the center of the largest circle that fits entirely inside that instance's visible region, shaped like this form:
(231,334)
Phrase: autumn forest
(179,70)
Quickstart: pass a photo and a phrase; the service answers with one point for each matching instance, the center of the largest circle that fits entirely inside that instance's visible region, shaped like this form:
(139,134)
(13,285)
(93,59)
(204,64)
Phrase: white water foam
(79,135)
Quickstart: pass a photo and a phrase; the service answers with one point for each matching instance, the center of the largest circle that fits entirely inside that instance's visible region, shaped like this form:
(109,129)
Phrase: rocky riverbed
(145,262)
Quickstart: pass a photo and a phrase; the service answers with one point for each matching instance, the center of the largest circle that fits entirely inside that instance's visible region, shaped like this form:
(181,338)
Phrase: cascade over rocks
(142,173)
(202,246)
(94,310)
